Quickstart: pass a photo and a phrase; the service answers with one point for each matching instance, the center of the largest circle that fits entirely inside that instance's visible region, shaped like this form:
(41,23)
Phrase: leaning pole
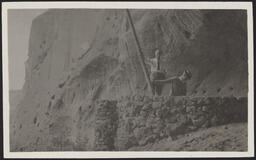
(140,54)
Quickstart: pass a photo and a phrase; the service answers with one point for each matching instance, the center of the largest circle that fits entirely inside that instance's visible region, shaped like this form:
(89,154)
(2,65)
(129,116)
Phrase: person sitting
(178,83)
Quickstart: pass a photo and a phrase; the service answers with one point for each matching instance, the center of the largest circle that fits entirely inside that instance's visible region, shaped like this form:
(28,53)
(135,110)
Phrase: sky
(19,24)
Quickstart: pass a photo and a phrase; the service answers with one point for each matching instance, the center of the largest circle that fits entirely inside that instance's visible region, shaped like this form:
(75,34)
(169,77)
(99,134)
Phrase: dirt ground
(232,138)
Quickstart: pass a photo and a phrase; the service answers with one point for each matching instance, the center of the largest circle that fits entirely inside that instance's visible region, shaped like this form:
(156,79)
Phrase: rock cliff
(77,57)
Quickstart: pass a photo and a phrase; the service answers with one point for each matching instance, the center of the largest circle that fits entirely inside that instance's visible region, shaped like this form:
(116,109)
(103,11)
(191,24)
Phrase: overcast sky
(19,24)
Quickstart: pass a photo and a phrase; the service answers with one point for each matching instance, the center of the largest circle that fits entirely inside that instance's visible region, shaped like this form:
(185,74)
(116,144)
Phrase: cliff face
(79,56)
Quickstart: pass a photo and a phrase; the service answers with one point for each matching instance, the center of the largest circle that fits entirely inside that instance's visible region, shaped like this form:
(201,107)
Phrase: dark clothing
(178,88)
(157,75)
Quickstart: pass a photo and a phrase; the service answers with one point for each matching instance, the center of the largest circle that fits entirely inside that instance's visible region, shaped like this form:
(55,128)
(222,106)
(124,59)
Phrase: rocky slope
(79,56)
(231,137)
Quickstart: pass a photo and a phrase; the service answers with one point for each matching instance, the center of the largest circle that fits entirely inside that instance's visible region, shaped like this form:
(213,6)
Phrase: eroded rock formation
(77,57)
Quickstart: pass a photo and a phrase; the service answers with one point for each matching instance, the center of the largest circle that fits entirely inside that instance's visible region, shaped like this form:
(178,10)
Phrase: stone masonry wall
(105,125)
(142,120)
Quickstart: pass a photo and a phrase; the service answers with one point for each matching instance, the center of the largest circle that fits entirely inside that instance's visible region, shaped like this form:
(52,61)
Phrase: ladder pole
(140,54)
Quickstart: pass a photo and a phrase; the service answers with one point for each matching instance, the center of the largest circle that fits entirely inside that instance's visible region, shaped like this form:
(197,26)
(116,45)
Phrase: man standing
(156,73)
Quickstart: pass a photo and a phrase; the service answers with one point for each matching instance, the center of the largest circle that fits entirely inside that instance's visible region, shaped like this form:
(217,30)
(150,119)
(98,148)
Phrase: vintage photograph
(84,79)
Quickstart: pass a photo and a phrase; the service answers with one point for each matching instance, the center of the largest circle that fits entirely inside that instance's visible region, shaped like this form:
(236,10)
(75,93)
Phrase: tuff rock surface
(79,57)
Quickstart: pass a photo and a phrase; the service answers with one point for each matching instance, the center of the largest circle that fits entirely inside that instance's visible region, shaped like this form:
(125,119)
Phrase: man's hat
(188,73)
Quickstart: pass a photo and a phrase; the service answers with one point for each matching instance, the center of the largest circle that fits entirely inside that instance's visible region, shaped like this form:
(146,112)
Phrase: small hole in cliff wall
(204,91)
(231,88)
(21,149)
(187,34)
(20,126)
(62,84)
(53,97)
(35,120)
(37,124)
(50,125)
(107,18)
(218,90)
(80,109)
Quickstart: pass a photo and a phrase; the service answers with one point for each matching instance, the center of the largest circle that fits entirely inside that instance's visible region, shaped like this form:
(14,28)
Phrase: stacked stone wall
(140,120)
(105,125)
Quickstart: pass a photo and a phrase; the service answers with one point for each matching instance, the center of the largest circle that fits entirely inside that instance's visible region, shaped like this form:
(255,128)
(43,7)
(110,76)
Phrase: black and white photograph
(81,78)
